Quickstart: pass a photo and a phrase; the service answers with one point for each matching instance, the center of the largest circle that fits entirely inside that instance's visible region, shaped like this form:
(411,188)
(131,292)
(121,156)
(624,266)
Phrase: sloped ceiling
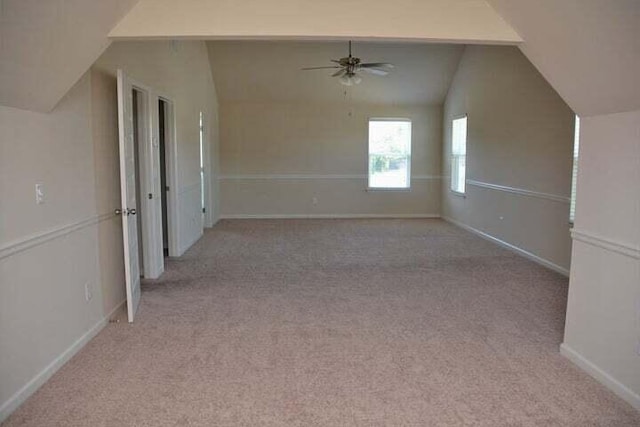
(46,46)
(589,50)
(260,71)
(461,21)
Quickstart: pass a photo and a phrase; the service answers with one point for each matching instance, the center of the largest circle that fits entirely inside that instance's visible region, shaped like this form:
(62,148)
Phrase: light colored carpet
(335,322)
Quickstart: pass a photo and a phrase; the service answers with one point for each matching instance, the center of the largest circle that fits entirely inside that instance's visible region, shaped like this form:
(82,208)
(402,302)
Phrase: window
(389,153)
(202,163)
(458,154)
(574,172)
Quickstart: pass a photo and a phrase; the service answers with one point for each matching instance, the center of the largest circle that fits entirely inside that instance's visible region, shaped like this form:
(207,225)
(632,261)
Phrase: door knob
(131,211)
(117,211)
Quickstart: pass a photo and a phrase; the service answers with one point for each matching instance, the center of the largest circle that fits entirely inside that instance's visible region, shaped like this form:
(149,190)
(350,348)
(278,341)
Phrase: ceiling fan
(349,66)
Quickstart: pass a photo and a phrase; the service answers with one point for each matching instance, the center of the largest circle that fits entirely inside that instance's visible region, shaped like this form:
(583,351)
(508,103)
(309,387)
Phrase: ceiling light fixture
(349,67)
(350,79)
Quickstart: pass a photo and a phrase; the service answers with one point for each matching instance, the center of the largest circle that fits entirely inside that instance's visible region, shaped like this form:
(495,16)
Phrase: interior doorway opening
(164,185)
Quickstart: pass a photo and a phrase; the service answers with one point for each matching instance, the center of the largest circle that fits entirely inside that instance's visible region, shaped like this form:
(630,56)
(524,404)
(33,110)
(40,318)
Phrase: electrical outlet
(87,292)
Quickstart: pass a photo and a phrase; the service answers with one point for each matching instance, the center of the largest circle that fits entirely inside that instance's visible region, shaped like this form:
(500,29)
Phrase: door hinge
(203,210)
(166,188)
(150,196)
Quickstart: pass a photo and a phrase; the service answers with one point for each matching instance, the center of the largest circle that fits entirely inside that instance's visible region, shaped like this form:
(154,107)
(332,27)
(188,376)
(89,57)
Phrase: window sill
(458,194)
(376,189)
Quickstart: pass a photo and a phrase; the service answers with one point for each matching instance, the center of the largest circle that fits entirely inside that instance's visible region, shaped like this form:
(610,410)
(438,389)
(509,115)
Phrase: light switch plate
(39,194)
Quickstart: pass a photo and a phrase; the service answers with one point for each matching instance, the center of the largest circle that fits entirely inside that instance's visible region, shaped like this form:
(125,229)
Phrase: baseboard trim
(36,382)
(535,258)
(601,376)
(326,216)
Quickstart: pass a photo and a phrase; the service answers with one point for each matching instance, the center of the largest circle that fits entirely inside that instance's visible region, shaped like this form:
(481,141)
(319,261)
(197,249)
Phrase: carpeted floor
(335,322)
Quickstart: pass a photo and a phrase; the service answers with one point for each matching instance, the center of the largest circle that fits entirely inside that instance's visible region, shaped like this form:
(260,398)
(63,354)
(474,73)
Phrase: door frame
(171,164)
(149,161)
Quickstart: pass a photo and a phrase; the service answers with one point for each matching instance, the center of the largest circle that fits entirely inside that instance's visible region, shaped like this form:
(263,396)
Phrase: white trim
(520,191)
(34,240)
(535,258)
(310,176)
(607,380)
(36,382)
(389,119)
(325,216)
(607,244)
(388,189)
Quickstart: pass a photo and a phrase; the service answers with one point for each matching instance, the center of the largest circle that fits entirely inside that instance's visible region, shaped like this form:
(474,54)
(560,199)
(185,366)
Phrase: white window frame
(574,170)
(454,158)
(389,119)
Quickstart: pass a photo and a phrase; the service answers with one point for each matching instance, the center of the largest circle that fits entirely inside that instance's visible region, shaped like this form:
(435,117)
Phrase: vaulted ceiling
(46,46)
(260,71)
(589,50)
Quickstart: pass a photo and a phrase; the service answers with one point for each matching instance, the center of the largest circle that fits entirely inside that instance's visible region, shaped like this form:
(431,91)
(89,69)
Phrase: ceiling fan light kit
(349,67)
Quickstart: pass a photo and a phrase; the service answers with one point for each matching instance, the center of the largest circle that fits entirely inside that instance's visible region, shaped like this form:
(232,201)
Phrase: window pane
(458,154)
(201,126)
(389,153)
(574,172)
(459,136)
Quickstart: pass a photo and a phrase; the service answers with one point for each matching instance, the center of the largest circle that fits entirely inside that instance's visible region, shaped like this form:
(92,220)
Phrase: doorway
(164,186)
(146,122)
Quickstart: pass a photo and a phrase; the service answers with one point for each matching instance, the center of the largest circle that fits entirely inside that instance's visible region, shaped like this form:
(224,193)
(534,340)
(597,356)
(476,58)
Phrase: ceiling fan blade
(321,68)
(377,65)
(375,71)
(338,73)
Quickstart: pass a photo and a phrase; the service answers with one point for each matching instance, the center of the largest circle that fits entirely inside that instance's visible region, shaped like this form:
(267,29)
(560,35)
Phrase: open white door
(128,190)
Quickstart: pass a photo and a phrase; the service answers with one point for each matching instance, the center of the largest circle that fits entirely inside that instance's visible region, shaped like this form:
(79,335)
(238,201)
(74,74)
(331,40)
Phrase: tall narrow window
(202,163)
(389,153)
(458,154)
(574,172)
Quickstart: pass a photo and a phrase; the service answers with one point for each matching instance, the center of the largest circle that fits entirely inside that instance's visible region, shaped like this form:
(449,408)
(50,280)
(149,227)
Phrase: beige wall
(520,137)
(49,252)
(277,157)
(602,332)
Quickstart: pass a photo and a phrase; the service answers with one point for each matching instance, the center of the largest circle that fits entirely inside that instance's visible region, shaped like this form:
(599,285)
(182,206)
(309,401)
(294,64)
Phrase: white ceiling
(261,71)
(456,21)
(46,46)
(589,50)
